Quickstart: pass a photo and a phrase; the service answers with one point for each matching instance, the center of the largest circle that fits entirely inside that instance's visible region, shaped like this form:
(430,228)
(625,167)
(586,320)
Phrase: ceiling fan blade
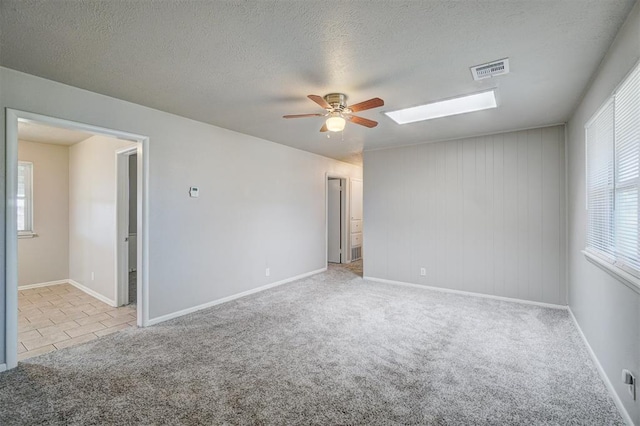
(362,121)
(324,128)
(320,101)
(371,103)
(302,115)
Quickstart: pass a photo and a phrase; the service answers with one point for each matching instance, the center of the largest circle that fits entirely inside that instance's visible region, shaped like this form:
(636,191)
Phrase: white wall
(92,213)
(608,311)
(261,204)
(46,257)
(483,214)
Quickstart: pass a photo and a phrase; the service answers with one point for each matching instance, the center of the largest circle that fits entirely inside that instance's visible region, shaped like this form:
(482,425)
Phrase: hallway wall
(45,257)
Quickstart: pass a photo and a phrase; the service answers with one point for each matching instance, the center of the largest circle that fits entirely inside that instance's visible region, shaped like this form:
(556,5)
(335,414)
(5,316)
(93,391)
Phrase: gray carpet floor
(331,349)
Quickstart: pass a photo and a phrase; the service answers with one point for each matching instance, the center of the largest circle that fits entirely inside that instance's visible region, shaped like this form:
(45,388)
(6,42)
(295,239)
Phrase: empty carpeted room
(387,212)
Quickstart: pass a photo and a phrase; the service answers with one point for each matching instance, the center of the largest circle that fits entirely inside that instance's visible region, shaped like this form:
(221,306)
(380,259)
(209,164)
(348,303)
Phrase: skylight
(455,106)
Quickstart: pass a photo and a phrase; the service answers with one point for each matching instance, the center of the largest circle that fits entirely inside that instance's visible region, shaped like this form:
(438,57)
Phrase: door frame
(344,214)
(12,116)
(122,225)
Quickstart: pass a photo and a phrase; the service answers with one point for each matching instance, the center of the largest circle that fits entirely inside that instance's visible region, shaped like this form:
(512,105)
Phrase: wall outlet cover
(628,378)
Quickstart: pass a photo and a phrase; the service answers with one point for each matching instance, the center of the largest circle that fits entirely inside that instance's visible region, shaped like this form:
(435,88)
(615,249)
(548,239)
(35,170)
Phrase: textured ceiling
(41,133)
(243,64)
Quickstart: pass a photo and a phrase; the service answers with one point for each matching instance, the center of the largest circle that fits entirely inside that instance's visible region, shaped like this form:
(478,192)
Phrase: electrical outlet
(423,271)
(629,379)
(267,272)
(93,276)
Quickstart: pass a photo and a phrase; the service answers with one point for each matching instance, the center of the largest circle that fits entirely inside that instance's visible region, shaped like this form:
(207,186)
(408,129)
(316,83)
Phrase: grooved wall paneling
(483,214)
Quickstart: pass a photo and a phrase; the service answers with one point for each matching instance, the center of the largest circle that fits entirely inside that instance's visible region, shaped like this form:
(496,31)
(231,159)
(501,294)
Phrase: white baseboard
(3,367)
(45,284)
(467,293)
(177,314)
(76,285)
(614,395)
(93,293)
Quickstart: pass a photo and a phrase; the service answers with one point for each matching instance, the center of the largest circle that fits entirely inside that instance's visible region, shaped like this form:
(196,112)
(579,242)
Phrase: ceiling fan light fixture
(337,111)
(335,123)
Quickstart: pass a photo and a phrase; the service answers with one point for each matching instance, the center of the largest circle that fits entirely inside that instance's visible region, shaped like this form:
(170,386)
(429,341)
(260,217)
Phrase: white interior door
(123,207)
(333,221)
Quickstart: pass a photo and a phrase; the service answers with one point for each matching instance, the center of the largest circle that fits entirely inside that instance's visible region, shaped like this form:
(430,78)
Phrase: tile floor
(59,316)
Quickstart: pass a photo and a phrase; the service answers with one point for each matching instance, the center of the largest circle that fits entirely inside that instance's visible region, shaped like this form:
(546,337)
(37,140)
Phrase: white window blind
(613,177)
(627,166)
(25,198)
(600,187)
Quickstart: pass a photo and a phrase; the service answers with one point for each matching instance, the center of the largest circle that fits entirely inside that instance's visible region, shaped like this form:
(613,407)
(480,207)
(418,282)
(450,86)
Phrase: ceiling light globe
(335,124)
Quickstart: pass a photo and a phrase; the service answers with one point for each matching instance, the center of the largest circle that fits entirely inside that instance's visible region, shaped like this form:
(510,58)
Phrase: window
(25,198)
(613,178)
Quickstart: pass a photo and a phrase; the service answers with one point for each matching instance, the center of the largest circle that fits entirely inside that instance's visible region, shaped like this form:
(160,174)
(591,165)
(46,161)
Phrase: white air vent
(491,69)
(356,253)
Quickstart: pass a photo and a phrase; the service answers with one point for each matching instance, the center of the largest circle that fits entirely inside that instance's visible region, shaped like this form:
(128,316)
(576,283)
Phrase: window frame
(611,262)
(29,231)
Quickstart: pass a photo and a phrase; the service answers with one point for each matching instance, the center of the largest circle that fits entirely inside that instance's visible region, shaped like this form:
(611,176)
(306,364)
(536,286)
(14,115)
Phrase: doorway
(127,235)
(15,204)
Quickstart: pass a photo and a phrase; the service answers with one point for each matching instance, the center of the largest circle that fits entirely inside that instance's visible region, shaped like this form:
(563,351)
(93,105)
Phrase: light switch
(194,192)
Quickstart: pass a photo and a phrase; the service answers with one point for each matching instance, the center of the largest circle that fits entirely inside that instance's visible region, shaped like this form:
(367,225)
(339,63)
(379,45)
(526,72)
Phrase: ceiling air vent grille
(491,69)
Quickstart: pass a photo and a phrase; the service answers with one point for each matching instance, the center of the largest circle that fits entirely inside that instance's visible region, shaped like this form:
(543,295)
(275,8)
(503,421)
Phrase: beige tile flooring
(59,316)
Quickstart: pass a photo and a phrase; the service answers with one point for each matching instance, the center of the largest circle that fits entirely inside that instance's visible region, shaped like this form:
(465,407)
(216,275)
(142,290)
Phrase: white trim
(566,215)
(182,312)
(27,234)
(614,395)
(93,293)
(43,284)
(621,275)
(30,117)
(74,283)
(3,367)
(11,240)
(142,267)
(467,293)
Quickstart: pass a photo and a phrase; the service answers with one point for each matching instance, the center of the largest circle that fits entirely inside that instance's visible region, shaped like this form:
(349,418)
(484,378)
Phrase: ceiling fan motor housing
(338,101)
